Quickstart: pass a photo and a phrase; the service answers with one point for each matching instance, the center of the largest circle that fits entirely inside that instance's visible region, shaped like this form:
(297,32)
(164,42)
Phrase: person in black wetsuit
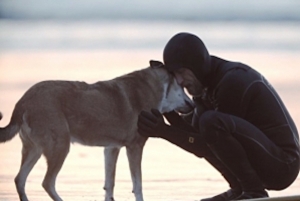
(240,125)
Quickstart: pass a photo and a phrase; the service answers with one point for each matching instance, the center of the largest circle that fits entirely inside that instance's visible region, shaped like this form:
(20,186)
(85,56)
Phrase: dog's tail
(8,132)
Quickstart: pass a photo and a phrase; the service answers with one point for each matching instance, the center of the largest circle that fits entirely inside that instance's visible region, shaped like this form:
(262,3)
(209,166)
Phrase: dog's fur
(51,114)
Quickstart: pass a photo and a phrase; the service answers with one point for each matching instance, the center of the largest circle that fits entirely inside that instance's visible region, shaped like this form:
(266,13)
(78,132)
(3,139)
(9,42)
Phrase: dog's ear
(156,64)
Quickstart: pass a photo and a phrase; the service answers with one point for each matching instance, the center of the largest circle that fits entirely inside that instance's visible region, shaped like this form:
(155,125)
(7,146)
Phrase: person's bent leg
(192,141)
(235,188)
(264,156)
(217,130)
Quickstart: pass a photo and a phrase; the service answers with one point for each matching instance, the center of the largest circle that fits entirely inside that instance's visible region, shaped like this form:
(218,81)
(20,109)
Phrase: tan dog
(51,114)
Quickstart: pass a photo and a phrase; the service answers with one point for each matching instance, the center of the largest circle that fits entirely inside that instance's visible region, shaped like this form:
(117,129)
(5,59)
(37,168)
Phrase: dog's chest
(103,142)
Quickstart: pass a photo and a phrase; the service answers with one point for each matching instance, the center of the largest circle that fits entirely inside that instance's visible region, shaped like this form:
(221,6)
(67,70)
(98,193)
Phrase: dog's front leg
(134,154)
(111,155)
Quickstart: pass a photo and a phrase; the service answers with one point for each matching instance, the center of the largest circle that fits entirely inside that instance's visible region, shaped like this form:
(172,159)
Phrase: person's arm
(230,91)
(189,122)
(151,124)
(179,121)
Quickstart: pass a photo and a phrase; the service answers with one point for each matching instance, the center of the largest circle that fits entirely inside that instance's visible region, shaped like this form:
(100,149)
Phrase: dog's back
(106,109)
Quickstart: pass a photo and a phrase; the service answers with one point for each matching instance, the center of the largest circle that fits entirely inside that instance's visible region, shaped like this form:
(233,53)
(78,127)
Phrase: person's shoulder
(237,78)
(233,73)
(222,66)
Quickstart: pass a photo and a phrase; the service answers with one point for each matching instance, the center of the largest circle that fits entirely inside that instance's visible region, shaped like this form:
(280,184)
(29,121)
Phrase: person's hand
(173,118)
(151,124)
(179,121)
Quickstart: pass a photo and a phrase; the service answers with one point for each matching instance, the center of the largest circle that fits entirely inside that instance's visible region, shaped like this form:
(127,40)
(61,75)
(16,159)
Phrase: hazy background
(92,24)
(97,40)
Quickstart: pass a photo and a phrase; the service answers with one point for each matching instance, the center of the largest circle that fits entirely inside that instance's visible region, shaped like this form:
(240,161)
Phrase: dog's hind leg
(55,156)
(30,155)
(111,155)
(134,154)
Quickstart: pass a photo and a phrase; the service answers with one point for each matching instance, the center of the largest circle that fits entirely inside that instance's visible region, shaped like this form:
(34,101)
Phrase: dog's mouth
(189,107)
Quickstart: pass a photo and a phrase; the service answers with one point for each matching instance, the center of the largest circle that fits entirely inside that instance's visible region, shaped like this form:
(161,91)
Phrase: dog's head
(174,97)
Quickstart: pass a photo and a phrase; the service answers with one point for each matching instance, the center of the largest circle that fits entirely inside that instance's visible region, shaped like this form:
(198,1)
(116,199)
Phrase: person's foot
(231,194)
(254,194)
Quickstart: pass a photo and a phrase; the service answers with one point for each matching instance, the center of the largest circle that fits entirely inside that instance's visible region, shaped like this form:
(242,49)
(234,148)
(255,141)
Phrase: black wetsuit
(245,105)
(240,126)
(243,92)
(244,120)
(255,115)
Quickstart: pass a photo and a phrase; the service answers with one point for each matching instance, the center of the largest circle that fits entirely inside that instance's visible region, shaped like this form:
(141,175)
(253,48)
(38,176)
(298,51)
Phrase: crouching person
(240,126)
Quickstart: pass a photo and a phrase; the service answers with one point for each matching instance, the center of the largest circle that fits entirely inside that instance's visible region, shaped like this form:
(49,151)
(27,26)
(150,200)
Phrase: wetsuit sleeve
(229,92)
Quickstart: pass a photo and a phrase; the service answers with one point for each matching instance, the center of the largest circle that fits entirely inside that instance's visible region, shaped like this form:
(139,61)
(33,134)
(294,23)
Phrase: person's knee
(207,119)
(211,126)
(207,123)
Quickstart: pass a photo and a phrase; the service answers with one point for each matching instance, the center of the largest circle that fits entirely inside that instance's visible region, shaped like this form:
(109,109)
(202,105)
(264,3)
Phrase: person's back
(243,92)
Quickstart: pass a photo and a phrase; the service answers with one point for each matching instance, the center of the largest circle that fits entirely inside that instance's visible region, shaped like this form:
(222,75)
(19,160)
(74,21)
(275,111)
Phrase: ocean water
(39,44)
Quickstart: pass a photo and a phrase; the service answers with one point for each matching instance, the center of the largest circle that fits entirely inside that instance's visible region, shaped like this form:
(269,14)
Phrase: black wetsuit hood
(185,50)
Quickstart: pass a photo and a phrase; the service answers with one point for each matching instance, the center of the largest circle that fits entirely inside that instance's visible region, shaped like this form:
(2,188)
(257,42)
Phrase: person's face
(186,78)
